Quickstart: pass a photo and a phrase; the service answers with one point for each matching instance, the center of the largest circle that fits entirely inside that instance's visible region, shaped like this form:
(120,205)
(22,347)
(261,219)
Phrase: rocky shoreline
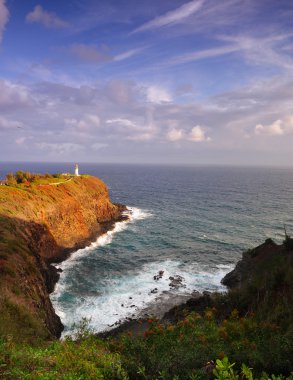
(175,308)
(53,274)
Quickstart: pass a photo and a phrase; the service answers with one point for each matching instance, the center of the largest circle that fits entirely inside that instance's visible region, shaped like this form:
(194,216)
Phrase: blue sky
(179,82)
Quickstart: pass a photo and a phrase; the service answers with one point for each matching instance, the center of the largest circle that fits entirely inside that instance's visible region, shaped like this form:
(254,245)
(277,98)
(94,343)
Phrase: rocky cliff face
(40,224)
(251,263)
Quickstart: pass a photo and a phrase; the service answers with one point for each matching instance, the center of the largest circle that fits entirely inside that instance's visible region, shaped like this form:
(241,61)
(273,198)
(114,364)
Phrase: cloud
(158,95)
(13,95)
(267,51)
(98,146)
(9,124)
(59,148)
(277,128)
(128,54)
(202,54)
(89,53)
(87,122)
(172,17)
(197,134)
(120,92)
(263,50)
(47,19)
(175,134)
(147,136)
(122,122)
(4,17)
(20,141)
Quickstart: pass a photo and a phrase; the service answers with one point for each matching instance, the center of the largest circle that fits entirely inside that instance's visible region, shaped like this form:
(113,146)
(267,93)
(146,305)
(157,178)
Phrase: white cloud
(256,51)
(4,17)
(172,17)
(13,95)
(277,128)
(197,134)
(9,124)
(208,53)
(263,51)
(83,124)
(127,54)
(175,134)
(48,19)
(122,122)
(157,95)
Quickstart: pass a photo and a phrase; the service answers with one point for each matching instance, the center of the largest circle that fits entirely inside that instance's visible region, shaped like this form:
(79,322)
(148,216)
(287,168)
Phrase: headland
(42,221)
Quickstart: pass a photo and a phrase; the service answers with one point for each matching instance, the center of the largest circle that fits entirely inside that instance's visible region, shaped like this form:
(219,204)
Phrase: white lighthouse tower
(76,170)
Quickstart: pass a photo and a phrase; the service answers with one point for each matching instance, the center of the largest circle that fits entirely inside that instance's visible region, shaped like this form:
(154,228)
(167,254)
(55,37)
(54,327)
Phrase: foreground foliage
(67,360)
(252,325)
(185,348)
(195,348)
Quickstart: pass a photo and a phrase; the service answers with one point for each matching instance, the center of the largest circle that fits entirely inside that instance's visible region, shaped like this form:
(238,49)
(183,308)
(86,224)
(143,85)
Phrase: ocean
(192,222)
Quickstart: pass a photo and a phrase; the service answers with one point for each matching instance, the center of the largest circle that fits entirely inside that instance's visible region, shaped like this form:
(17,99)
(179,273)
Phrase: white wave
(133,214)
(127,295)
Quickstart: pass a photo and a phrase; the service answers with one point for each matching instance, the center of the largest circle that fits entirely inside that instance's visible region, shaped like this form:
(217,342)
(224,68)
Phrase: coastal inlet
(191,223)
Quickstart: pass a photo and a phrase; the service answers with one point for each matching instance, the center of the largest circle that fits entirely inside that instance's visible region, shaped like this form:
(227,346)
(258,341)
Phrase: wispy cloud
(255,50)
(4,17)
(89,53)
(128,54)
(202,54)
(48,19)
(172,17)
(59,148)
(267,50)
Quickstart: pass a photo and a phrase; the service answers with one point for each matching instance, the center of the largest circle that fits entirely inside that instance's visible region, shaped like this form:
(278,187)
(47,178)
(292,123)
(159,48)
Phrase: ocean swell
(119,295)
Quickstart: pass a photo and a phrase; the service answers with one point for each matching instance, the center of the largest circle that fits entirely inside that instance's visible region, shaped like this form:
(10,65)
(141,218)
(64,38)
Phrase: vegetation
(251,325)
(27,178)
(195,348)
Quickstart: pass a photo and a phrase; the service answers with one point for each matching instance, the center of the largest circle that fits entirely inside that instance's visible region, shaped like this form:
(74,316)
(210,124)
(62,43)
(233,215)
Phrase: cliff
(40,224)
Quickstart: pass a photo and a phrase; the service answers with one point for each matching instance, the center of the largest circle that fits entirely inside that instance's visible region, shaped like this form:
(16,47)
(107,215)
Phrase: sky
(146,81)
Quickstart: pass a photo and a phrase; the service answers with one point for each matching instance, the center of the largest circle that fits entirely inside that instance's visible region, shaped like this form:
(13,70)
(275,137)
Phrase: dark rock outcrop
(245,267)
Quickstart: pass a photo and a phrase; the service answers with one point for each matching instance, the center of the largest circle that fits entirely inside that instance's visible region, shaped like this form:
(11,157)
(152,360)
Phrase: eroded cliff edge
(41,224)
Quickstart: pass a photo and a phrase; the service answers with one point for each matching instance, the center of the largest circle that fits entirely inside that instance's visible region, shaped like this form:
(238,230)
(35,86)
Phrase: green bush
(184,348)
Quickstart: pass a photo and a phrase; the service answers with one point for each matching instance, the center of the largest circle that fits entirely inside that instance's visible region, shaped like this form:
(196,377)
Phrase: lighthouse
(76,170)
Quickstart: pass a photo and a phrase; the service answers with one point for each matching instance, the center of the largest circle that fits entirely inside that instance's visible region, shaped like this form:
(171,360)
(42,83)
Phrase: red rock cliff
(40,224)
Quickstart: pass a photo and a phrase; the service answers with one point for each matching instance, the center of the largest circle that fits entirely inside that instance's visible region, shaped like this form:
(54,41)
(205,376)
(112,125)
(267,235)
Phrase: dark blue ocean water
(187,221)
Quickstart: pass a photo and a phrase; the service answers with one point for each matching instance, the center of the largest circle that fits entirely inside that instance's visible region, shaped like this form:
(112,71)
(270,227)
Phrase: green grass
(68,360)
(180,351)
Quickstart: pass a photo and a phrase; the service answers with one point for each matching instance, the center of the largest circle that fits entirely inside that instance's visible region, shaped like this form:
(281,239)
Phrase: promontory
(42,220)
